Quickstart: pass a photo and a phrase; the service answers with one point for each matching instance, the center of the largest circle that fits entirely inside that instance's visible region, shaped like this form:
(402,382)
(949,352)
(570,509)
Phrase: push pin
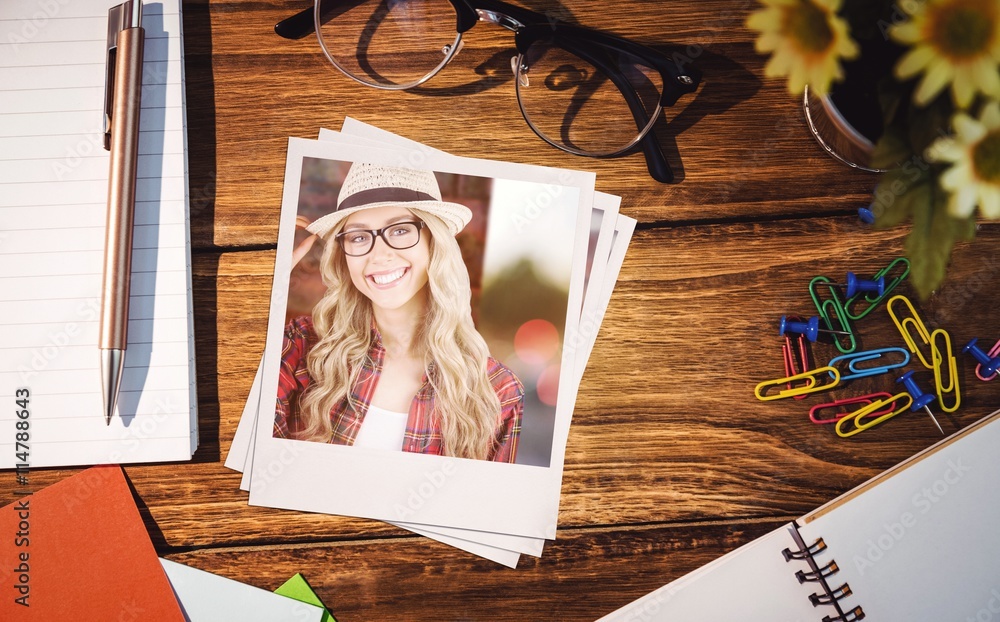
(987,366)
(920,399)
(866,215)
(856,285)
(809,328)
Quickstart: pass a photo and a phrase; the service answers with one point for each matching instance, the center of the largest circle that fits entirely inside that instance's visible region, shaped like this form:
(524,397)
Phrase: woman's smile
(387,278)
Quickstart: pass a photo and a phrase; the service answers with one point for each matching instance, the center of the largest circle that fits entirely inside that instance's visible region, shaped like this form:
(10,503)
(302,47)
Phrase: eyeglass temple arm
(656,162)
(303,24)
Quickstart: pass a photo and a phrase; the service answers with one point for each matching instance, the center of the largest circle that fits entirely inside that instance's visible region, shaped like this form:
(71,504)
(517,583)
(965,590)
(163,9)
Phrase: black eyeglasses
(584,91)
(398,235)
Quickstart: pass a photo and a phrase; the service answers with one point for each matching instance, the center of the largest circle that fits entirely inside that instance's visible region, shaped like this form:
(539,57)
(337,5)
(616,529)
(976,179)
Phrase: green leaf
(890,150)
(898,195)
(930,123)
(929,245)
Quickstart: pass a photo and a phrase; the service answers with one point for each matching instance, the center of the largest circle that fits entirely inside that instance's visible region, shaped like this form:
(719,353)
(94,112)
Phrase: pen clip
(125,15)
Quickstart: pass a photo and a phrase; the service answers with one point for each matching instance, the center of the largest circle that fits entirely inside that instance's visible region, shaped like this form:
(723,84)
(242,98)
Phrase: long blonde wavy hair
(455,354)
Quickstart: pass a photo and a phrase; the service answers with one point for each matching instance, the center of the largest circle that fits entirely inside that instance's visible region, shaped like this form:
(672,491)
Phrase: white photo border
(420,489)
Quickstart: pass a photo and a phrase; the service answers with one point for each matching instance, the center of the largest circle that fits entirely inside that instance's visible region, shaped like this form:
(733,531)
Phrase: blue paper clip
(833,315)
(890,284)
(869,355)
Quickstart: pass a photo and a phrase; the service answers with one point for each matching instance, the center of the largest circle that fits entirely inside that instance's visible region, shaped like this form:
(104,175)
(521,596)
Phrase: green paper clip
(890,285)
(832,313)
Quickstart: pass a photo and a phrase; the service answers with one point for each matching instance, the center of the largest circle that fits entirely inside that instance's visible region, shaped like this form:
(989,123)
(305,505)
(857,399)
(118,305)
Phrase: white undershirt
(382,429)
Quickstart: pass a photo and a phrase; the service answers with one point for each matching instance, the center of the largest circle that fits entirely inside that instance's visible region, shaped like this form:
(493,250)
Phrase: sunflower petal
(956,177)
(907,32)
(945,149)
(914,61)
(764,20)
(968,129)
(990,116)
(989,202)
(963,87)
(963,202)
(987,76)
(939,73)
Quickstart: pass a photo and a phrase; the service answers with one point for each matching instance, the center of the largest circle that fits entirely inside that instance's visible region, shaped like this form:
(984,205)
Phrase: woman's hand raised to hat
(301,222)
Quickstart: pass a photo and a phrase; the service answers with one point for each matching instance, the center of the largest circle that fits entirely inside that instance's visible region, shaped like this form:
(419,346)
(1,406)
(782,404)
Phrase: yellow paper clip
(856,416)
(940,360)
(812,385)
(904,329)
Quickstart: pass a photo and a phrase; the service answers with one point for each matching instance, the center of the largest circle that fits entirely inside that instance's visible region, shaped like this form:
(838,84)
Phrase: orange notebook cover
(78,550)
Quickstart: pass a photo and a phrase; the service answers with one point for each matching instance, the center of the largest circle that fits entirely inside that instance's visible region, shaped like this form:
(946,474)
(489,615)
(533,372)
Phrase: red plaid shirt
(423,432)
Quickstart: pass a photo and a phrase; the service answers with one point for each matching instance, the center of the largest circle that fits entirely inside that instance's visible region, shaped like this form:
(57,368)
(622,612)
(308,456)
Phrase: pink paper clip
(995,350)
(796,358)
(861,399)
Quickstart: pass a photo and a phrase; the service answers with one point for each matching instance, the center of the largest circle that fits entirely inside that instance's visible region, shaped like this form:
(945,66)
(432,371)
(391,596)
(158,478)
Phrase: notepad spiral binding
(820,574)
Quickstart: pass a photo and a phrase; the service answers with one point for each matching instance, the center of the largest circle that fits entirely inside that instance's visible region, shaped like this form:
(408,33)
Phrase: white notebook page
(53,192)
(923,543)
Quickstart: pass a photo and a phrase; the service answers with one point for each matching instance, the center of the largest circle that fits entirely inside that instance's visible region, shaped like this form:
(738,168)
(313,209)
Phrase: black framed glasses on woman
(399,235)
(584,91)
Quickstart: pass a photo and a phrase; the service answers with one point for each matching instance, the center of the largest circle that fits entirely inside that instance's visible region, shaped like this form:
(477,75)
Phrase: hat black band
(383,195)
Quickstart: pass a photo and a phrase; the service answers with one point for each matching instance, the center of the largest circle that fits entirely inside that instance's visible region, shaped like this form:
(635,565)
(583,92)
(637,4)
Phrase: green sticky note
(298,588)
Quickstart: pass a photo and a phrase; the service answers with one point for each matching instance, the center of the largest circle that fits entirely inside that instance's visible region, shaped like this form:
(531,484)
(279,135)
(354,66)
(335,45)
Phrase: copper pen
(122,94)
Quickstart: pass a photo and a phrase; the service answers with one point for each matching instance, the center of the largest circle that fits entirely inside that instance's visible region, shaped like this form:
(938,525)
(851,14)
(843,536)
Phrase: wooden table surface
(671,462)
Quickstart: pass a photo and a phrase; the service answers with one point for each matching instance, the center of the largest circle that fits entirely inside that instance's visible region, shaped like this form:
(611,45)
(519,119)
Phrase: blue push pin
(809,328)
(866,215)
(856,285)
(987,366)
(920,399)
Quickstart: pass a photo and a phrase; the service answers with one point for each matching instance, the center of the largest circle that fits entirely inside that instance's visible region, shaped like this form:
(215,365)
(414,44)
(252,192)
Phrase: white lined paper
(53,191)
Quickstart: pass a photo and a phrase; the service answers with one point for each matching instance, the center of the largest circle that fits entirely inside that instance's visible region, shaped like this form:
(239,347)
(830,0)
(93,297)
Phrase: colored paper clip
(861,399)
(903,325)
(855,417)
(831,312)
(942,359)
(869,355)
(796,358)
(890,284)
(994,351)
(812,384)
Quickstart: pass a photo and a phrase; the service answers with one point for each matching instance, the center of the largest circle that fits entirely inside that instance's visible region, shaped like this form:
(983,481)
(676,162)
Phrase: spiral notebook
(918,542)
(53,203)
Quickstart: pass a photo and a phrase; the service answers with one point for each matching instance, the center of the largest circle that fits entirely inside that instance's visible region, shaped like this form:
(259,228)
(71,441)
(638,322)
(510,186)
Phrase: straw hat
(373,185)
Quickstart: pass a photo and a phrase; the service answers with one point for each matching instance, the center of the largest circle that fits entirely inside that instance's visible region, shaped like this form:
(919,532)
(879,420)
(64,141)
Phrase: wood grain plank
(741,144)
(583,575)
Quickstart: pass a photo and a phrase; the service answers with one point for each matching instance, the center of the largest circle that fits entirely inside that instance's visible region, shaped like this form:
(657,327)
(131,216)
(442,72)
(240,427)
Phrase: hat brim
(455,215)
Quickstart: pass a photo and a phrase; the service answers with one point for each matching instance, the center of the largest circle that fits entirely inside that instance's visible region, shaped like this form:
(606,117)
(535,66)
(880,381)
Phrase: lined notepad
(53,192)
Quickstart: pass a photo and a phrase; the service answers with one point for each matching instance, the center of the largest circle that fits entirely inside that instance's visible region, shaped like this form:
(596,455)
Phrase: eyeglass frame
(380,233)
(528,27)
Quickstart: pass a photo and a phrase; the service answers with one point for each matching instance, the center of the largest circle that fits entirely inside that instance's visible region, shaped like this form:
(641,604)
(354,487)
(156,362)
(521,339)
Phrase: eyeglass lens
(389,43)
(576,106)
(400,236)
(564,91)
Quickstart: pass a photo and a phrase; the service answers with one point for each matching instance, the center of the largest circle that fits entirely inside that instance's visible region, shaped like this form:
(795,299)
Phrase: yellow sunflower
(974,177)
(953,41)
(807,40)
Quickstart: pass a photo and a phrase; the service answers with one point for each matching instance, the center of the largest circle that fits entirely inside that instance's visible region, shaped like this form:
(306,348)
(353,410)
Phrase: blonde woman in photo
(390,357)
